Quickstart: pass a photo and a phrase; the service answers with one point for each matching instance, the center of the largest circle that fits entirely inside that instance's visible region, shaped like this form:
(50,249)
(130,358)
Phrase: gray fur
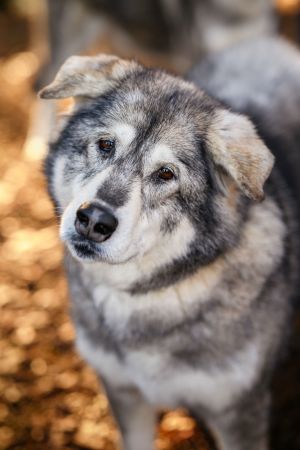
(188,302)
(275,105)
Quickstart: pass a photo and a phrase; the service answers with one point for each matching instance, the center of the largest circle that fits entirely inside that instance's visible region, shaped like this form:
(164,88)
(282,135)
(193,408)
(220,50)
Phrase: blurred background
(49,399)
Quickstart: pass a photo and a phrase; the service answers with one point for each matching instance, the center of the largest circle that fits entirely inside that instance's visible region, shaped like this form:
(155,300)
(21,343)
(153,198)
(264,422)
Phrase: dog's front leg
(135,417)
(245,426)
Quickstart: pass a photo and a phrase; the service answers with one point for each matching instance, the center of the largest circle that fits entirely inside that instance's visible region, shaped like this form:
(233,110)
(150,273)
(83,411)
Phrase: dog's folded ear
(237,149)
(87,76)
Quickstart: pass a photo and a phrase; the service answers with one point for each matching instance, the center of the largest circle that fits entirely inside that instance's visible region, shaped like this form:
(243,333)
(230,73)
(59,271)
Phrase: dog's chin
(84,251)
(87,251)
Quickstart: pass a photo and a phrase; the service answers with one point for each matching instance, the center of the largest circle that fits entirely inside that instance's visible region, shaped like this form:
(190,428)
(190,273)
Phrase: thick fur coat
(185,300)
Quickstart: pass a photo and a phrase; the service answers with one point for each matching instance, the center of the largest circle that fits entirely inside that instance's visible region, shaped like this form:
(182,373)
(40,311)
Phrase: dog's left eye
(165,173)
(106,145)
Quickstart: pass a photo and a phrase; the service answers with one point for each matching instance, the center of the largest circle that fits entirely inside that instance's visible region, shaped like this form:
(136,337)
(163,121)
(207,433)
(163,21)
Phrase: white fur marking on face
(125,133)
(133,97)
(161,153)
(61,189)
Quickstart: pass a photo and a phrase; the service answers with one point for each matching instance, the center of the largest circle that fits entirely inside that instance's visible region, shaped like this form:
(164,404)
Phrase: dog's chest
(166,384)
(140,352)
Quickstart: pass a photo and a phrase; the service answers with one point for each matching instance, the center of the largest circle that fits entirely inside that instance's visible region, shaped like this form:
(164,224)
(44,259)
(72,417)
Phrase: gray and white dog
(181,259)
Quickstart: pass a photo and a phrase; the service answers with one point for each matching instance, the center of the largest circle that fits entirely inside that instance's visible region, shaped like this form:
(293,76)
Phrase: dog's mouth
(84,249)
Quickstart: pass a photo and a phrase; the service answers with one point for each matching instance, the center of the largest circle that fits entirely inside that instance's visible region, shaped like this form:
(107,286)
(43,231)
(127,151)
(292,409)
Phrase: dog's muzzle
(94,222)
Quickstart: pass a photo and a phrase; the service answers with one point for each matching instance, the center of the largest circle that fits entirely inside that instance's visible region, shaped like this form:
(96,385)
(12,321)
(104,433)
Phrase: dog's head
(148,163)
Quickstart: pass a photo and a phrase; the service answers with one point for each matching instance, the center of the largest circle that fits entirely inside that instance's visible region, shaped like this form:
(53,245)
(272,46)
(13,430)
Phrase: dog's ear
(87,76)
(239,152)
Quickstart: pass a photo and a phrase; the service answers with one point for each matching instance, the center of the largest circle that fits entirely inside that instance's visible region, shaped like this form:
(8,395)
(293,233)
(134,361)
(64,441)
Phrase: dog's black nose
(95,222)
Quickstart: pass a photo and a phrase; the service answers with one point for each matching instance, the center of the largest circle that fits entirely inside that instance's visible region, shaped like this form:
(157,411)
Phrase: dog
(181,241)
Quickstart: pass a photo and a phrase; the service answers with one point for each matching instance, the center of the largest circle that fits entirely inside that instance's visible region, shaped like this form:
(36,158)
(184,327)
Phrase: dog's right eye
(106,145)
